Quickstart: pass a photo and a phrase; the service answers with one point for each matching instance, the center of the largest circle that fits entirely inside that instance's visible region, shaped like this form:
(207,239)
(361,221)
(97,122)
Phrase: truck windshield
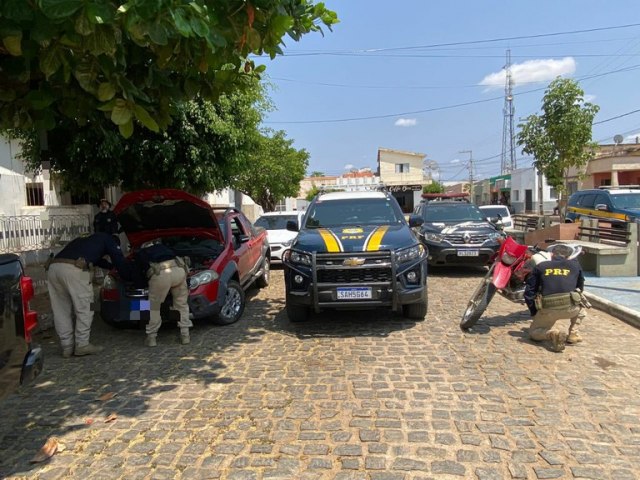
(364,211)
(461,212)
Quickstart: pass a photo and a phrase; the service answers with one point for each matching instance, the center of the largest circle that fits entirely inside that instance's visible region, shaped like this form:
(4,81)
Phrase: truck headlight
(202,278)
(294,256)
(411,253)
(433,237)
(496,236)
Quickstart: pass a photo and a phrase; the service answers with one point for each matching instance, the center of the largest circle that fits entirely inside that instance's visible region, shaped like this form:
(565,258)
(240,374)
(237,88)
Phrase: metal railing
(24,233)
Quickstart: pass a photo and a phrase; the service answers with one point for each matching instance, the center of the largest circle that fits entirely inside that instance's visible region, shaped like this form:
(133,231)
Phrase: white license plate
(468,253)
(359,293)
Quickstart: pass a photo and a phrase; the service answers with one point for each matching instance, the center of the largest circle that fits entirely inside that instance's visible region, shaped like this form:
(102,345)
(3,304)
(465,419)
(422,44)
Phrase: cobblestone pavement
(364,395)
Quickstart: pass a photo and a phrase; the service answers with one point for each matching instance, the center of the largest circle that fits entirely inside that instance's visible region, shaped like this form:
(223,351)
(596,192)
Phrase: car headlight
(411,253)
(202,278)
(298,257)
(287,243)
(109,282)
(434,237)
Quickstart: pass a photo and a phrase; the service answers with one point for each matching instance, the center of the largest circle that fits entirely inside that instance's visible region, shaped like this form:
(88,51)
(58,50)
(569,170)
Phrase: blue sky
(376,63)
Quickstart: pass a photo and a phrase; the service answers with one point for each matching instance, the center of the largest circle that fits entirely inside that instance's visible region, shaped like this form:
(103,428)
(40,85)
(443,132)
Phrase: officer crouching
(554,291)
(164,272)
(71,290)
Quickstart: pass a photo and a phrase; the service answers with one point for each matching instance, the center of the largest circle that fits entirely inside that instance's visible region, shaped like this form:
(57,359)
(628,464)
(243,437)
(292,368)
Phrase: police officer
(554,291)
(165,272)
(105,220)
(71,290)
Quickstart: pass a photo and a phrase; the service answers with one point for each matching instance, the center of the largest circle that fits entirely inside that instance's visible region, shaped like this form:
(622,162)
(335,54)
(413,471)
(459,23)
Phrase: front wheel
(478,303)
(232,305)
(297,313)
(415,311)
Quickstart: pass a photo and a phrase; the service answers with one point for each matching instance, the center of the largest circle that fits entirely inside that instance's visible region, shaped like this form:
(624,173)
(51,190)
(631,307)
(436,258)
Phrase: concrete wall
(387,161)
(527,179)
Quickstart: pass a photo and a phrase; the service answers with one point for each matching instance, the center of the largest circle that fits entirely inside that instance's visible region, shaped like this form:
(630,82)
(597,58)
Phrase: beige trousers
(71,294)
(544,321)
(170,279)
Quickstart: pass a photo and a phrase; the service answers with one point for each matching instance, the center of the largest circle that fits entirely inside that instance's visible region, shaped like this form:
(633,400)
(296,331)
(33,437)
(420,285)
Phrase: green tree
(135,61)
(313,191)
(433,187)
(561,136)
(201,151)
(275,171)
(316,173)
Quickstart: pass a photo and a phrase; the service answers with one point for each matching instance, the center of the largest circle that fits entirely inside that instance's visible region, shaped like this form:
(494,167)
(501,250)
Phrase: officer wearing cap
(554,291)
(71,290)
(105,220)
(164,272)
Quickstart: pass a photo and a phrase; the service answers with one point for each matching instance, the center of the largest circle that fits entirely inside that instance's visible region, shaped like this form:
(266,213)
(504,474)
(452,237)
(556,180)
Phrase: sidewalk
(617,296)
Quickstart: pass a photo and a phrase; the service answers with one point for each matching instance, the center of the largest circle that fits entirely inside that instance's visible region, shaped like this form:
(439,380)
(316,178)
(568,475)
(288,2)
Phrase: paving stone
(484,473)
(447,467)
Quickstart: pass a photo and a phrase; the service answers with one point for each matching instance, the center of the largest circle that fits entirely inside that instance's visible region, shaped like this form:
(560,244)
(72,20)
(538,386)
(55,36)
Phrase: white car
(275,223)
(493,211)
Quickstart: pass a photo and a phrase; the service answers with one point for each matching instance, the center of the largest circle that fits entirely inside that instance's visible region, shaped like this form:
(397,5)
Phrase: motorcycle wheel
(478,304)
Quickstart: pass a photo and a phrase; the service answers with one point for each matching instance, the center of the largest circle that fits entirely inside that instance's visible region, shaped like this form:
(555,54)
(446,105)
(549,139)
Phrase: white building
(525,192)
(403,174)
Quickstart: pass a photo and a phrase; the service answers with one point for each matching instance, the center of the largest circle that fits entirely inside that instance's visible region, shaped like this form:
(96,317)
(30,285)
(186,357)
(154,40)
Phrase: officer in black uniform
(554,291)
(71,291)
(105,220)
(163,271)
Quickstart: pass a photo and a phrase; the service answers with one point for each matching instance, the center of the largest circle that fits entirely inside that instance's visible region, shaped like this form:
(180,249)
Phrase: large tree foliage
(561,136)
(136,60)
(433,187)
(276,169)
(202,150)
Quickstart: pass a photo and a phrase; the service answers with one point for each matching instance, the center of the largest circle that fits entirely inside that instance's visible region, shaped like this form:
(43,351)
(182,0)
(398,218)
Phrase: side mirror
(292,226)
(602,207)
(415,220)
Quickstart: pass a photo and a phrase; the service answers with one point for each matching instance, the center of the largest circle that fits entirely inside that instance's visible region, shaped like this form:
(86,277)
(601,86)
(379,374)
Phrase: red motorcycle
(507,275)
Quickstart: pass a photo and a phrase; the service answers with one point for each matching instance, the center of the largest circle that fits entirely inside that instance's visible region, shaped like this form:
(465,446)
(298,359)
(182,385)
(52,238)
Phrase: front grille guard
(387,260)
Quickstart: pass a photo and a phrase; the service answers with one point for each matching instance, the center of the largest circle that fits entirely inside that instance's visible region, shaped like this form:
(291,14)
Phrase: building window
(35,194)
(516,195)
(605,182)
(281,206)
(402,168)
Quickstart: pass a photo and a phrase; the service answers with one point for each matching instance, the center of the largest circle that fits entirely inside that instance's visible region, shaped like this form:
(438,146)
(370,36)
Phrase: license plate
(358,293)
(468,253)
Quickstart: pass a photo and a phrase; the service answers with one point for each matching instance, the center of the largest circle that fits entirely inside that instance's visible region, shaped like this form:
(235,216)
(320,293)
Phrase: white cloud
(348,166)
(455,160)
(406,122)
(531,71)
(589,98)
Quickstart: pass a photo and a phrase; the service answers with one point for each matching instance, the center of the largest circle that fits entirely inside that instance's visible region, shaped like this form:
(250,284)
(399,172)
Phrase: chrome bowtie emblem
(353,262)
(466,237)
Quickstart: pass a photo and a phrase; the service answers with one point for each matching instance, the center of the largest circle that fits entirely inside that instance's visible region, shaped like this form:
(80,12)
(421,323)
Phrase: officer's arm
(114,252)
(531,289)
(581,281)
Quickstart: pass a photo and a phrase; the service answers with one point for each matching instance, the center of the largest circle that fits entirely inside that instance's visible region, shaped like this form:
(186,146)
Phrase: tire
(415,311)
(232,304)
(264,279)
(297,313)
(478,303)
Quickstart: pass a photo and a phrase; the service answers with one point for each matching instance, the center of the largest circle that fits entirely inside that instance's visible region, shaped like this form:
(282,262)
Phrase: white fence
(30,232)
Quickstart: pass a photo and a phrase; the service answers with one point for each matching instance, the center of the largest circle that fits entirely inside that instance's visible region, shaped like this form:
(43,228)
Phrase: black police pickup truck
(355,250)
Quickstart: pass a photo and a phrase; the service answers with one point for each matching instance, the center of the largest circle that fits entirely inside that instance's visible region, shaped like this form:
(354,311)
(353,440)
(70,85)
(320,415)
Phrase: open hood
(147,214)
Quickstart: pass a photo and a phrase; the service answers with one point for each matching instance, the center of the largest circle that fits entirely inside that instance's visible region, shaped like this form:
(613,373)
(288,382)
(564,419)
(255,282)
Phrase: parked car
(500,213)
(275,223)
(20,360)
(227,255)
(456,232)
(618,204)
(355,250)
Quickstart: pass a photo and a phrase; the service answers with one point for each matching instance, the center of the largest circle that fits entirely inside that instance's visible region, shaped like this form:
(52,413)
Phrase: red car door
(255,243)
(241,249)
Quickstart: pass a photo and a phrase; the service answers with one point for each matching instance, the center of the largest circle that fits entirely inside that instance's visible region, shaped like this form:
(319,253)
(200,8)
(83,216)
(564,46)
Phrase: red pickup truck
(227,255)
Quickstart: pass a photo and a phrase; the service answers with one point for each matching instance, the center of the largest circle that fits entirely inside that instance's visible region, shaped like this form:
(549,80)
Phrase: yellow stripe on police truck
(330,240)
(375,239)
(589,212)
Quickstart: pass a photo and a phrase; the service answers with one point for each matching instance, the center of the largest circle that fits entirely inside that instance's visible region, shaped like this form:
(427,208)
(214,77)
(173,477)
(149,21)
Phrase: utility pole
(471,180)
(508,163)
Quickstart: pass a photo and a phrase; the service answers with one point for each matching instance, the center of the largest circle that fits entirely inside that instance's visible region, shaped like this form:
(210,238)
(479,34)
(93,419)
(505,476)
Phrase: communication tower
(508,138)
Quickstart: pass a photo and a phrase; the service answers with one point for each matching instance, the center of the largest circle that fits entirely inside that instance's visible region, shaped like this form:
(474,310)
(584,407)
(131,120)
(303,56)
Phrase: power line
(616,117)
(490,40)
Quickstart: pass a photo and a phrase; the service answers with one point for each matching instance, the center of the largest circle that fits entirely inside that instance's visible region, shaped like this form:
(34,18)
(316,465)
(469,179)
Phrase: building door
(528,201)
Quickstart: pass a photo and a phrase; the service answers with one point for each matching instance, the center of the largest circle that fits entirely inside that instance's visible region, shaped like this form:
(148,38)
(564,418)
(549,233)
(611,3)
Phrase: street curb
(625,314)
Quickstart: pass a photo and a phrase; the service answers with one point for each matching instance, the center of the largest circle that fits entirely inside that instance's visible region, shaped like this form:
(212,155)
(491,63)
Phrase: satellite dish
(618,139)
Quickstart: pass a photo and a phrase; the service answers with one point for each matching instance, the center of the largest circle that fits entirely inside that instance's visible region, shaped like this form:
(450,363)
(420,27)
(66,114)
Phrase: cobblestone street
(364,395)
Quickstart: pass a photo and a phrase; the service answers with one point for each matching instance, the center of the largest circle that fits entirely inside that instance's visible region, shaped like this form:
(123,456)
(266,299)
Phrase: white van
(493,211)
